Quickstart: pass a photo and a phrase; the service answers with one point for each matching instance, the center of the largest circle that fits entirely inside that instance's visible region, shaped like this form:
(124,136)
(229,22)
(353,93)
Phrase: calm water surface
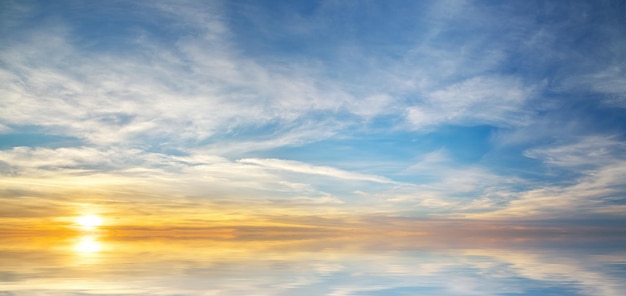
(100,265)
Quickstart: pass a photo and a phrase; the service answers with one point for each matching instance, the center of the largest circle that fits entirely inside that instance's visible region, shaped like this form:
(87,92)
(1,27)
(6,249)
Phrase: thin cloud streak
(299,167)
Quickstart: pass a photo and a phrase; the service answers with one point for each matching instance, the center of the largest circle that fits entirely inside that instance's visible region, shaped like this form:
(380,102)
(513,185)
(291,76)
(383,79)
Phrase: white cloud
(300,167)
(191,91)
(32,158)
(593,151)
(600,163)
(201,86)
(480,100)
(199,90)
(133,172)
(329,200)
(454,188)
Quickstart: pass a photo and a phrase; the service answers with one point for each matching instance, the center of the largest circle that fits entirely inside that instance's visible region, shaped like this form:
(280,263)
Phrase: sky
(319,113)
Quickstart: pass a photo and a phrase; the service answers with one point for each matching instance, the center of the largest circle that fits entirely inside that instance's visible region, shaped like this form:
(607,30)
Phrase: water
(97,264)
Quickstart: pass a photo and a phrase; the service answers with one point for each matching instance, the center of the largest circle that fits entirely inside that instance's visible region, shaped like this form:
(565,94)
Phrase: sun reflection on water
(109,263)
(88,244)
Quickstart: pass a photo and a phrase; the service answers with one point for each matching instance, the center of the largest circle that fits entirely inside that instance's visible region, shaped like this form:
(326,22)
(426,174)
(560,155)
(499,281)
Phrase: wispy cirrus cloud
(132,176)
(591,152)
(597,188)
(497,101)
(453,108)
(179,93)
(299,167)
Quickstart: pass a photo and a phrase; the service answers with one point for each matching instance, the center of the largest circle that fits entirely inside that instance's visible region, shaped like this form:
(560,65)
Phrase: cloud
(201,85)
(442,187)
(311,200)
(200,100)
(173,94)
(299,167)
(496,101)
(598,187)
(590,151)
(124,178)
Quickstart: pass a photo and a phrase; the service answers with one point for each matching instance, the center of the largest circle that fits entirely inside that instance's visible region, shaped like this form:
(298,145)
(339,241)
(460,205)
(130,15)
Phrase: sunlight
(89,222)
(88,244)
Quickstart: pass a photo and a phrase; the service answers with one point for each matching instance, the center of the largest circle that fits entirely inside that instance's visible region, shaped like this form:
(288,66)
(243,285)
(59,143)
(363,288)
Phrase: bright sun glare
(89,221)
(88,244)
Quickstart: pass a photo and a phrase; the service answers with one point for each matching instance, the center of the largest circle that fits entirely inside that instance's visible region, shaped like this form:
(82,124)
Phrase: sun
(89,221)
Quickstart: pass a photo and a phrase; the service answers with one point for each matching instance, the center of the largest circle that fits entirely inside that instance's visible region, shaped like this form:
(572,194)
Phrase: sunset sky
(318,115)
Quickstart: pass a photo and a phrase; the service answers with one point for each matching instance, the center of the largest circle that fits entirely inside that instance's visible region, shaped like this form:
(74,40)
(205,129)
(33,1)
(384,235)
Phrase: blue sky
(481,110)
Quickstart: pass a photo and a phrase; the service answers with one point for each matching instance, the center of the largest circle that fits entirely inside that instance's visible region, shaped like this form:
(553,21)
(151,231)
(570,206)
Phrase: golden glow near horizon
(88,244)
(89,222)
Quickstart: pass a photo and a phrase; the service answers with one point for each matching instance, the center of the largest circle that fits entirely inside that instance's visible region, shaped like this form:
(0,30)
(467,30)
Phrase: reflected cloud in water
(358,266)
